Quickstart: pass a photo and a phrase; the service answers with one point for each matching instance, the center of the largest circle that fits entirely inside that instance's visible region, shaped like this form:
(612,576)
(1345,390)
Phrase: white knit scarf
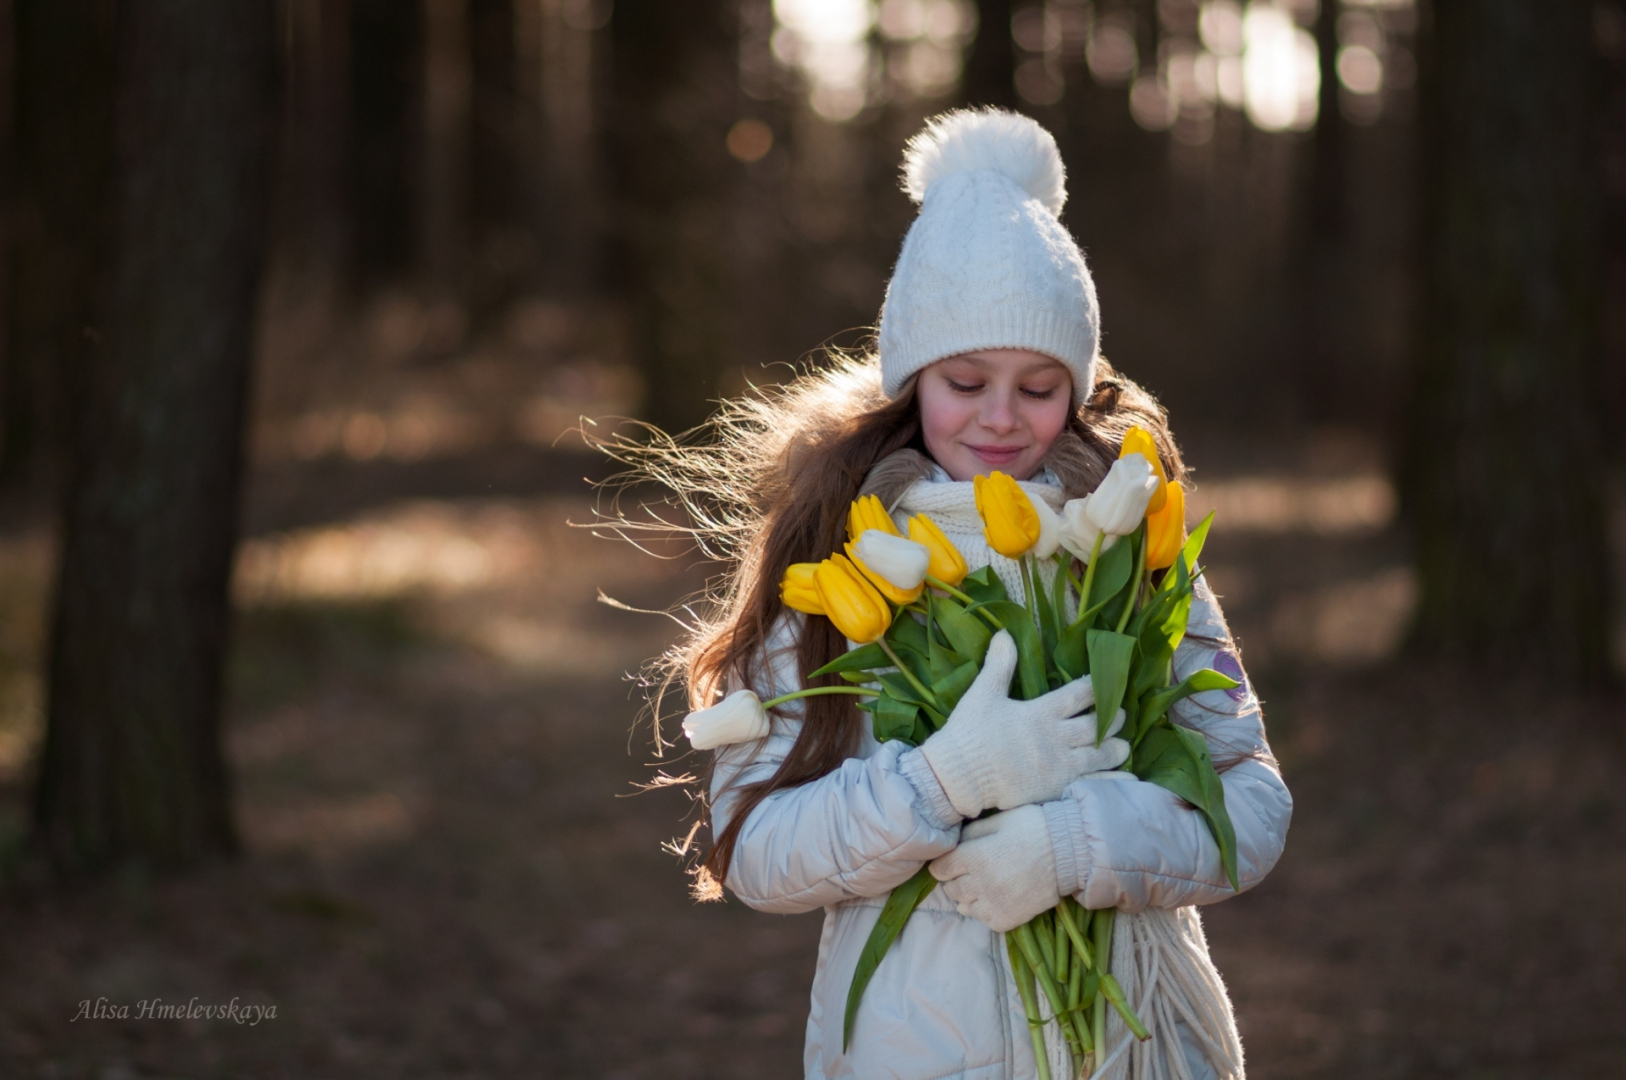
(1160,957)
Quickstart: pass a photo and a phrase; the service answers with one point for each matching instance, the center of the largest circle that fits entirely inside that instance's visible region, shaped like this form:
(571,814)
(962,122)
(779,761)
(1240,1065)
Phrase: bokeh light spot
(750,140)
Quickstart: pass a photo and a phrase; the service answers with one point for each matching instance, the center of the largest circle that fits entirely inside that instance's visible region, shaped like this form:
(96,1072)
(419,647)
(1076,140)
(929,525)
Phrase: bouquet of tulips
(921,625)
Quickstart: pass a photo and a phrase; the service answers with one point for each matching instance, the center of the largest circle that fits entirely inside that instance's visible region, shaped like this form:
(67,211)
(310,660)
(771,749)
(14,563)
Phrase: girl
(987,360)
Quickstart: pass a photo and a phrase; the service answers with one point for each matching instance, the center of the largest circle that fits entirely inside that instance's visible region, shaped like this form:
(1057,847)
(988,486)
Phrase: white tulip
(1115,508)
(737,718)
(903,563)
(1050,527)
(1078,533)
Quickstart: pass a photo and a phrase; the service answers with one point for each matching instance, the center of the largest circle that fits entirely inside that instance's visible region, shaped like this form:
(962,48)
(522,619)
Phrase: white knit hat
(987,265)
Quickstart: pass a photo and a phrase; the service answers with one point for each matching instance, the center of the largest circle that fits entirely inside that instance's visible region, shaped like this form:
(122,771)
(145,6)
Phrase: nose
(997,415)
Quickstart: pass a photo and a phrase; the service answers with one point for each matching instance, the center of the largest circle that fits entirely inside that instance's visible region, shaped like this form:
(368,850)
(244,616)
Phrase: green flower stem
(1134,594)
(1089,575)
(1076,1014)
(925,694)
(812,691)
(944,586)
(1030,943)
(1030,583)
(1065,916)
(1115,995)
(1041,941)
(1102,930)
(1030,1006)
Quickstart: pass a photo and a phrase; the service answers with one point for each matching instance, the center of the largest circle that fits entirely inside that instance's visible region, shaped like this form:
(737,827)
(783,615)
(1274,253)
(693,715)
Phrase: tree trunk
(1319,360)
(990,70)
(1503,476)
(62,142)
(674,96)
(386,137)
(492,130)
(132,768)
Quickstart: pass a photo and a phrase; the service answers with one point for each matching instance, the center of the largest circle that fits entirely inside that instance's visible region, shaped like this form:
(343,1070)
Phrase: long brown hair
(767,483)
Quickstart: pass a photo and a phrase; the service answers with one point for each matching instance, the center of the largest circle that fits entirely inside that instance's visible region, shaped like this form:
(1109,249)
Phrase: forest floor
(447,872)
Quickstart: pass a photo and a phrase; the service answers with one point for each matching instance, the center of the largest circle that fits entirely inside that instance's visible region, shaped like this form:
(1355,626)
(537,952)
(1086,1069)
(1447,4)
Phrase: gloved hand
(1004,871)
(997,752)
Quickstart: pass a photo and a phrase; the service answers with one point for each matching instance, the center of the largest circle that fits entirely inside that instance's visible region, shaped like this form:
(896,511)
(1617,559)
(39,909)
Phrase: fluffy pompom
(965,139)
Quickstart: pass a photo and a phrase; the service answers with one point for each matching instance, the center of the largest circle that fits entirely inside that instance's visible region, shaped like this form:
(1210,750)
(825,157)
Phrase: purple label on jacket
(1227,663)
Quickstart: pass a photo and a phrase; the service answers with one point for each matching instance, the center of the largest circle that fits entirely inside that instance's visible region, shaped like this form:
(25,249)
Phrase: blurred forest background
(302,301)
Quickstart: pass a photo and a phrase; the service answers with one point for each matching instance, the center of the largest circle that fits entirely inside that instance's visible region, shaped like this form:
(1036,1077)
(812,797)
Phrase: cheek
(1047,419)
(942,416)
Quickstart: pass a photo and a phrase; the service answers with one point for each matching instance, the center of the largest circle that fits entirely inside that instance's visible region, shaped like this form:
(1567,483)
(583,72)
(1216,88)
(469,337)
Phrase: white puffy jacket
(942,1002)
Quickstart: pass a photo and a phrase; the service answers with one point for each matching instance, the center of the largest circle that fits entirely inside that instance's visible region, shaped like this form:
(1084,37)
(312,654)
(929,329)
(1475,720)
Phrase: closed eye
(962,388)
(1040,395)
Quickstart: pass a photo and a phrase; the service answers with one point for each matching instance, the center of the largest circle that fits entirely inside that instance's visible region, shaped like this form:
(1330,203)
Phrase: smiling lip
(996,455)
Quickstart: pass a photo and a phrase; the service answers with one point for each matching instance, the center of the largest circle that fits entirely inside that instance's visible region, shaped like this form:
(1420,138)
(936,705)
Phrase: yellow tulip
(1166,529)
(850,601)
(1008,519)
(883,566)
(797,590)
(869,513)
(1137,440)
(947,564)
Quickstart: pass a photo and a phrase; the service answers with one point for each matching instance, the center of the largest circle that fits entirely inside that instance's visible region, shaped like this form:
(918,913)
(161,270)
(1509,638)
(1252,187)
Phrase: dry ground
(444,876)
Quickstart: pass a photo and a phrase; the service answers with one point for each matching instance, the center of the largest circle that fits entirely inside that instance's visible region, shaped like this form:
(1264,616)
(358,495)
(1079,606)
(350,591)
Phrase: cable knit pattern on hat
(986,264)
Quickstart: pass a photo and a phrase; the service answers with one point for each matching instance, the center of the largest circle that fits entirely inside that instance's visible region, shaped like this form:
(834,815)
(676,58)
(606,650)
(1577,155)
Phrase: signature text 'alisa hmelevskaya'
(158,1009)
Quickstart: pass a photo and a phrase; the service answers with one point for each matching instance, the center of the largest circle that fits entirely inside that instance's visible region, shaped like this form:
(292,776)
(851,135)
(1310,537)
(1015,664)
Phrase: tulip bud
(1166,529)
(797,590)
(737,718)
(947,564)
(869,513)
(1137,440)
(1009,521)
(895,566)
(850,601)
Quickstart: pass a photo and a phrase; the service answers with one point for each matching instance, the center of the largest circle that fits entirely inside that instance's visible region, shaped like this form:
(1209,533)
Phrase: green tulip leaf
(1043,611)
(952,687)
(899,687)
(1111,655)
(1161,634)
(908,632)
(941,657)
(1112,572)
(863,658)
(1111,605)
(894,719)
(1156,705)
(1071,656)
(966,632)
(899,906)
(984,586)
(1193,548)
(1176,759)
(923,728)
(1030,665)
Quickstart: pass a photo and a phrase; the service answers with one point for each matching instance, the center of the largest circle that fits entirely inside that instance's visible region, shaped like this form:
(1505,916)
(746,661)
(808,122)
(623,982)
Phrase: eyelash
(1044,395)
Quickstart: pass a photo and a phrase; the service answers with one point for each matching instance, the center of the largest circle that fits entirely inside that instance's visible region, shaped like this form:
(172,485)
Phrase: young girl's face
(995,409)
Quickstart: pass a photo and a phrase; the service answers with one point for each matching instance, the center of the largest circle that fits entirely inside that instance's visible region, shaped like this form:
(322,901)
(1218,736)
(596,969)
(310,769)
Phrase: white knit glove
(995,752)
(1004,871)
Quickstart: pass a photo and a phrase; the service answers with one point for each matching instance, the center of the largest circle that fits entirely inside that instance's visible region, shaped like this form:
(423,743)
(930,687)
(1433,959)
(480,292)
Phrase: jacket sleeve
(1122,842)
(858,831)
